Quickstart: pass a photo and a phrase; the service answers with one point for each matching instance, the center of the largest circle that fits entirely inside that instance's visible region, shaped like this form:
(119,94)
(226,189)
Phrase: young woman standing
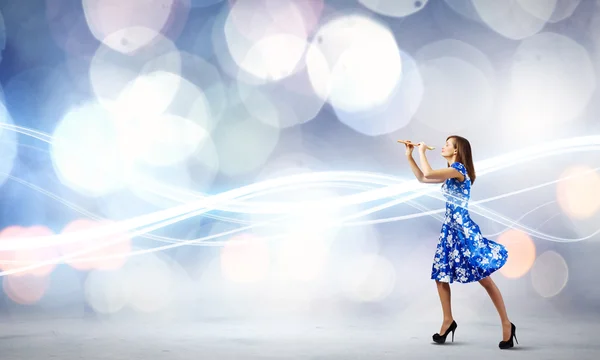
(462,254)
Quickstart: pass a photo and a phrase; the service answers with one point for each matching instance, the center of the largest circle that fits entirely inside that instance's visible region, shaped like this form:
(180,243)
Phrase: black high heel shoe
(440,339)
(509,343)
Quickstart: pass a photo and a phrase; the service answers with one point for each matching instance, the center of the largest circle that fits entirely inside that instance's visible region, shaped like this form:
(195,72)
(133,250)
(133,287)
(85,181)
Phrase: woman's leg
(494,293)
(444,292)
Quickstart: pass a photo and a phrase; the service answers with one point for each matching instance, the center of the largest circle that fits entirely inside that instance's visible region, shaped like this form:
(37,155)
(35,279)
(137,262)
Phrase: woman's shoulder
(459,166)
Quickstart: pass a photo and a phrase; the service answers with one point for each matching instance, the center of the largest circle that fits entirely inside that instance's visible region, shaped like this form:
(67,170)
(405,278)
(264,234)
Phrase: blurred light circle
(202,92)
(167,145)
(85,151)
(280,17)
(147,95)
(245,259)
(552,81)
(394,8)
(222,53)
(521,253)
(460,50)
(550,274)
(276,17)
(274,57)
(169,139)
(578,192)
(243,142)
(282,104)
(106,291)
(396,112)
(204,108)
(456,94)
(515,19)
(354,62)
(25,290)
(127,26)
(261,42)
(150,281)
(130,40)
(310,11)
(111,73)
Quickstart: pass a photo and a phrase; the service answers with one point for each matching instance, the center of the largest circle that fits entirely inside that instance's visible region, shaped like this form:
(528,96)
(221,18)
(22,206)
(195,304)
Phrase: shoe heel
(514,332)
(453,336)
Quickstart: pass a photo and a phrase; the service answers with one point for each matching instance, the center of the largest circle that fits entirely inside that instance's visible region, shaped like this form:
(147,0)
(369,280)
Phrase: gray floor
(66,339)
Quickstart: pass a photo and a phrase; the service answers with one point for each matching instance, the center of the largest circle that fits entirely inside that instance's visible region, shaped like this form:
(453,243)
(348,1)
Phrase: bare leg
(444,292)
(490,286)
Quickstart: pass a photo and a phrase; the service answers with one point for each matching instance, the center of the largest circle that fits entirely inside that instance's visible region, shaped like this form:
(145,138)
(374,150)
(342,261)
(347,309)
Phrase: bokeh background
(113,109)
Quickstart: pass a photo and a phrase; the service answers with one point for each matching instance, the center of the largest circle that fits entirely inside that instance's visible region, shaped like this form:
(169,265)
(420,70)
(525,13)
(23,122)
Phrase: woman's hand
(409,147)
(423,147)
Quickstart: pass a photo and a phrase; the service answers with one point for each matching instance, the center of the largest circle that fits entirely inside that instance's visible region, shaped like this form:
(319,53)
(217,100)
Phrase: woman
(462,254)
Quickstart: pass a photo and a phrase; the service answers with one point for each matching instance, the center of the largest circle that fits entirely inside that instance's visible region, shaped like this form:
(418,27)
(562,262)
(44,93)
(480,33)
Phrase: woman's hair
(464,155)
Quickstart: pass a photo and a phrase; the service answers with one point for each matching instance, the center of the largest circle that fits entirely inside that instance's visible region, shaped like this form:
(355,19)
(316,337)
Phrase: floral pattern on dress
(463,254)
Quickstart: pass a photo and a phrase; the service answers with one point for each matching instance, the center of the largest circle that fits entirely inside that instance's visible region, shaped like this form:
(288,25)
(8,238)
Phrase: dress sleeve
(460,167)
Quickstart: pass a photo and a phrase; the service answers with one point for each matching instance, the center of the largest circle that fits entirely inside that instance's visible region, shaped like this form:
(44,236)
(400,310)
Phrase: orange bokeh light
(17,259)
(579,196)
(119,244)
(521,253)
(26,289)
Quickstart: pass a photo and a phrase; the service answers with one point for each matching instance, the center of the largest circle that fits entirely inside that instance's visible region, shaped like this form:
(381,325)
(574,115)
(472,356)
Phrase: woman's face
(449,148)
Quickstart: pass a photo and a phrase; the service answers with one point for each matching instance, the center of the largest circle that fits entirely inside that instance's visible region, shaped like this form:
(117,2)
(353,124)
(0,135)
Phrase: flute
(415,145)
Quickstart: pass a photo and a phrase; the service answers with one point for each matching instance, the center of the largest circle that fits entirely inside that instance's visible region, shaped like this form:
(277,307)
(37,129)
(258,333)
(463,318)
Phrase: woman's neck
(451,160)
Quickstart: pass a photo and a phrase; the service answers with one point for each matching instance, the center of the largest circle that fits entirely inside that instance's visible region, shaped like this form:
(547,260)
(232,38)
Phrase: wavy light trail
(372,187)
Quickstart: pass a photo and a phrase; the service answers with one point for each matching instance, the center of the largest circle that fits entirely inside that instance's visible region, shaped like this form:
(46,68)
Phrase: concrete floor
(90,339)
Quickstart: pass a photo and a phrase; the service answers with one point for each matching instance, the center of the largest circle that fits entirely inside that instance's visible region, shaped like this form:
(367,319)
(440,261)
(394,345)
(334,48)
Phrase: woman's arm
(440,175)
(418,173)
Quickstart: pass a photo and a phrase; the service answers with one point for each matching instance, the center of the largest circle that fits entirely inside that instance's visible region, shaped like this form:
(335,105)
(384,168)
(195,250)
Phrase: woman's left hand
(422,147)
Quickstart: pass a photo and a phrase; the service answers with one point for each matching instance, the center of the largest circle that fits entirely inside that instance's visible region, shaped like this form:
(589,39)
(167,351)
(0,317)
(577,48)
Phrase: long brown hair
(464,154)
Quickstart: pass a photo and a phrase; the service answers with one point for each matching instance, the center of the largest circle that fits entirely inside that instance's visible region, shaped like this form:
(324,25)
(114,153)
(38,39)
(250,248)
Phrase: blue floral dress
(463,254)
